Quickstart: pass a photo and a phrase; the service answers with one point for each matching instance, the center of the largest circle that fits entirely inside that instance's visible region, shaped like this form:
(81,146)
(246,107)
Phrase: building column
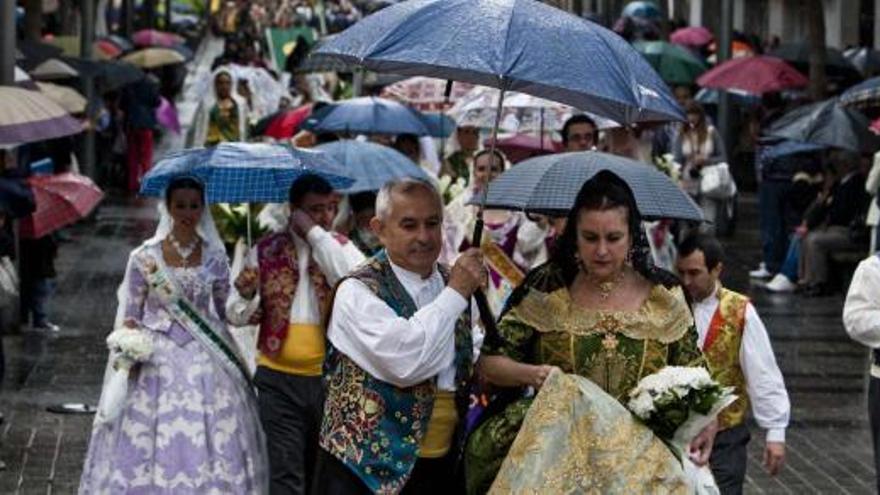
(695,16)
(841,23)
(775,19)
(739,15)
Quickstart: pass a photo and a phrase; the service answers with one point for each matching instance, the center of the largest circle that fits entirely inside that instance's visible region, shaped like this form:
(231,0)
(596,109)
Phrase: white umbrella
(54,69)
(30,116)
(69,98)
(521,113)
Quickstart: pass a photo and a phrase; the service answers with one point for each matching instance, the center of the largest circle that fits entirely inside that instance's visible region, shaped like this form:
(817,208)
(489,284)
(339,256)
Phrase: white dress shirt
(861,312)
(764,383)
(401,351)
(334,260)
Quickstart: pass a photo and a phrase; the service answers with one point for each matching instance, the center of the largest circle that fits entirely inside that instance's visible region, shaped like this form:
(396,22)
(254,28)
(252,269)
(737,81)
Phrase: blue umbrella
(371,165)
(439,125)
(788,148)
(367,115)
(829,124)
(549,185)
(709,96)
(644,10)
(515,45)
(244,172)
(864,95)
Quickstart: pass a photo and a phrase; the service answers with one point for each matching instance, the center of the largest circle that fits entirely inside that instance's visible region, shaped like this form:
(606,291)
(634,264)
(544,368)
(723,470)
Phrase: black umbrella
(35,53)
(864,59)
(110,74)
(827,123)
(798,55)
(549,184)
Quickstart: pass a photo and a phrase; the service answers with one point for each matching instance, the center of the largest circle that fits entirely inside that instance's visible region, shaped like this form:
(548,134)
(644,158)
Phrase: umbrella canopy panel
(29,116)
(517,45)
(549,185)
(865,95)
(829,124)
(756,75)
(69,98)
(367,115)
(426,93)
(371,165)
(676,65)
(244,172)
(151,58)
(61,200)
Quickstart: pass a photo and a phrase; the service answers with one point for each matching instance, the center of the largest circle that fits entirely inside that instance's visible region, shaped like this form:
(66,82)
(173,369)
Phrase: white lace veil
(206,230)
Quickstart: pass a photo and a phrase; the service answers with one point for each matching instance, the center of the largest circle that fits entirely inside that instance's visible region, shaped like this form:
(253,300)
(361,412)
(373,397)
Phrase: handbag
(716,182)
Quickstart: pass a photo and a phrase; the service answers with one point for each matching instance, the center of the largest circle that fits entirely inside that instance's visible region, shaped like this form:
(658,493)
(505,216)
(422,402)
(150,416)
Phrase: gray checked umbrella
(549,184)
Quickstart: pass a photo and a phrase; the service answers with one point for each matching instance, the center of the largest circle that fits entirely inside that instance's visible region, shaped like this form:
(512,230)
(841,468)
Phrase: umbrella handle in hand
(479,296)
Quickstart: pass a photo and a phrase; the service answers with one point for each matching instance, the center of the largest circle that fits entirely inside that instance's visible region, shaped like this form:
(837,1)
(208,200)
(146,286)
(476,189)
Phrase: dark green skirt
(488,445)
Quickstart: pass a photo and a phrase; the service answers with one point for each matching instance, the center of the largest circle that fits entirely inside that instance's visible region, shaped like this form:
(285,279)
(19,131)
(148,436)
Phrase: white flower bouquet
(450,189)
(128,346)
(677,403)
(666,163)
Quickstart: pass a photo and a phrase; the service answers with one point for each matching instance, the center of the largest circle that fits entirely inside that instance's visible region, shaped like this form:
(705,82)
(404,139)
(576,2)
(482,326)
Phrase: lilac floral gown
(187,427)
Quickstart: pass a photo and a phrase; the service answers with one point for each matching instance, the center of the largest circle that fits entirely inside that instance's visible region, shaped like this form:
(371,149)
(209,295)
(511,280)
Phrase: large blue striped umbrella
(244,172)
(371,165)
(549,185)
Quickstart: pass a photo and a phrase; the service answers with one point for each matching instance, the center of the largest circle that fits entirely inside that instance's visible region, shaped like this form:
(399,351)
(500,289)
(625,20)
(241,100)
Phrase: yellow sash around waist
(302,352)
(441,427)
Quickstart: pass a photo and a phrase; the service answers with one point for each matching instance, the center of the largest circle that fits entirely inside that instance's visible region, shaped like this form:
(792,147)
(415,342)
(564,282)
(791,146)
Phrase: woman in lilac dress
(188,423)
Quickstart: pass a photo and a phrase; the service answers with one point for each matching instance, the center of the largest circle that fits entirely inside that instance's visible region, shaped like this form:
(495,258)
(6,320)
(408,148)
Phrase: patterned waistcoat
(375,428)
(279,276)
(721,348)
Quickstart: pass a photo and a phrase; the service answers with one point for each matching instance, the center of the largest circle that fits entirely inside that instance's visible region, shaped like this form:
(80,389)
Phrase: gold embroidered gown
(613,350)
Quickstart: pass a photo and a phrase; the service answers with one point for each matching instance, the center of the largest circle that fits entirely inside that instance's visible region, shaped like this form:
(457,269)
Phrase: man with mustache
(401,352)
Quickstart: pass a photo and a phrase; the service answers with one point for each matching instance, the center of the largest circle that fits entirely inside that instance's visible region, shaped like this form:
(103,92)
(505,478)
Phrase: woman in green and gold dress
(598,309)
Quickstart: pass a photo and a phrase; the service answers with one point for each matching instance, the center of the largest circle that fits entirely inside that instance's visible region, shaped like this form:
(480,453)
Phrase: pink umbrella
(758,74)
(520,147)
(691,36)
(61,200)
(152,37)
(875,126)
(166,114)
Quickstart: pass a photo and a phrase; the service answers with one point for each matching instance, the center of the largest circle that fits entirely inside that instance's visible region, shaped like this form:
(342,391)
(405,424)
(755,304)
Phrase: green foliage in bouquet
(672,410)
(232,222)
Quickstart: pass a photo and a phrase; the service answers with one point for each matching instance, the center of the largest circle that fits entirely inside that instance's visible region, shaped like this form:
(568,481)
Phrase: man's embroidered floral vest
(721,348)
(279,276)
(375,428)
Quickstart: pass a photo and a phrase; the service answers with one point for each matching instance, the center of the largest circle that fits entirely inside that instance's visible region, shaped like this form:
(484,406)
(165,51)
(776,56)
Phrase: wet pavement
(829,447)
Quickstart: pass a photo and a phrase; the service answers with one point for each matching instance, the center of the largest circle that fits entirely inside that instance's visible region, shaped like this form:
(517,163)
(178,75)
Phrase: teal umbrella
(675,64)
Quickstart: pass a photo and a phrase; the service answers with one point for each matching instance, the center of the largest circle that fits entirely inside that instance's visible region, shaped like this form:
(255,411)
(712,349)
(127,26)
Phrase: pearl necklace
(185,252)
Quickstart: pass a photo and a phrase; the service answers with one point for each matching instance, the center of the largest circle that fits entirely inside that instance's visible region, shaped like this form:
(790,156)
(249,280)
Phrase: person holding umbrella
(512,242)
(402,349)
(285,286)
